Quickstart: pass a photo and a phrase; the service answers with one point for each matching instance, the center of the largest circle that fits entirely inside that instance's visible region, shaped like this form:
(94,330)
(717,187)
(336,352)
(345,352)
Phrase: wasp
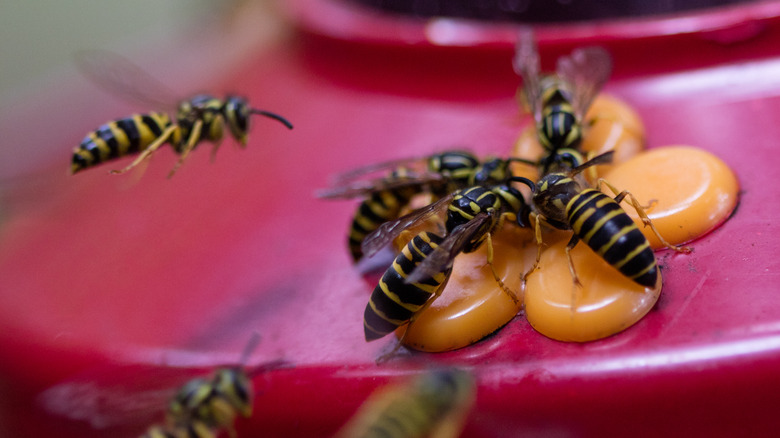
(204,406)
(420,272)
(435,403)
(386,197)
(211,404)
(190,429)
(597,219)
(558,102)
(197,119)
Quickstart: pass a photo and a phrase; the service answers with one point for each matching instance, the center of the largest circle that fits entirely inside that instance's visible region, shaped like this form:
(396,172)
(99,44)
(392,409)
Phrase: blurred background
(38,38)
(169,38)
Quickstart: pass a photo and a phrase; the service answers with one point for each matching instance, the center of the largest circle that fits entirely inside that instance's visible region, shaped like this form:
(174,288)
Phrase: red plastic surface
(116,281)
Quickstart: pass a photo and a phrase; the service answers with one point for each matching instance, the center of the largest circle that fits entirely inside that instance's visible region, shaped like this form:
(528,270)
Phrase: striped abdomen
(119,138)
(190,429)
(382,206)
(394,302)
(600,221)
(559,128)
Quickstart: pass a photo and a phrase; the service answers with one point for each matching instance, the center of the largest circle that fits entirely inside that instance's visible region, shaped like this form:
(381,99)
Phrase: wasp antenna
(254,341)
(276,364)
(524,180)
(523,160)
(604,158)
(271,115)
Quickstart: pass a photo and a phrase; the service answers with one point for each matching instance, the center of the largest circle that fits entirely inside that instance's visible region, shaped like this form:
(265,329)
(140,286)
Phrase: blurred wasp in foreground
(420,272)
(202,407)
(558,102)
(434,404)
(386,197)
(597,219)
(201,118)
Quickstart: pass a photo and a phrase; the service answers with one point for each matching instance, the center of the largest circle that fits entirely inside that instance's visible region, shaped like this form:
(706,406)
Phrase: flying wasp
(204,406)
(420,272)
(386,197)
(558,102)
(200,118)
(597,219)
(191,429)
(435,403)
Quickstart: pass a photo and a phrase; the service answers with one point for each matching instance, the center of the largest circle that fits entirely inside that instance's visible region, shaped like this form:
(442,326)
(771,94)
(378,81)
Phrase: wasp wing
(117,75)
(107,399)
(526,64)
(387,166)
(441,258)
(390,230)
(363,188)
(585,70)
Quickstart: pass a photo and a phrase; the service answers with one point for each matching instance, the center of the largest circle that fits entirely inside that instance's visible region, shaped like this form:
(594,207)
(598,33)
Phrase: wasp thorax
(491,172)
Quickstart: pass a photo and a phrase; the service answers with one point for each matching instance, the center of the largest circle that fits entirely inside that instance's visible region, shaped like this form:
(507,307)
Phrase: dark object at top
(540,11)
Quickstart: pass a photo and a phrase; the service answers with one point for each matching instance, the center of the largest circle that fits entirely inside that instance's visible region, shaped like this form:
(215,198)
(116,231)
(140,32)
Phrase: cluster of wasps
(479,196)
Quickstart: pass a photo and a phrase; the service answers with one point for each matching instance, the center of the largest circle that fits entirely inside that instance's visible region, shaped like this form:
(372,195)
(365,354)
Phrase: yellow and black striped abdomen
(190,429)
(382,206)
(600,221)
(559,127)
(119,138)
(394,302)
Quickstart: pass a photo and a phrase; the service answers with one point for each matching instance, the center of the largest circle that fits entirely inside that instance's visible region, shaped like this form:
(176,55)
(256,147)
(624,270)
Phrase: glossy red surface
(117,280)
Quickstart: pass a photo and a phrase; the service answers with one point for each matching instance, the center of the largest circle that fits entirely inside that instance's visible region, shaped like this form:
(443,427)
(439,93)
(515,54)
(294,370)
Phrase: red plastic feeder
(115,289)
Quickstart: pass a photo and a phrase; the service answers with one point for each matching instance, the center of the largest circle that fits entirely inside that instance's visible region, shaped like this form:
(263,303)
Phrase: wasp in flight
(420,272)
(203,407)
(436,403)
(558,102)
(597,219)
(386,197)
(200,118)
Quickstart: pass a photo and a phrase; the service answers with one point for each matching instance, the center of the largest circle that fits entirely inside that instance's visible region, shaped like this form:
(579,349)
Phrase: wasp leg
(538,233)
(387,356)
(146,153)
(500,282)
(575,279)
(217,144)
(191,141)
(643,215)
(231,430)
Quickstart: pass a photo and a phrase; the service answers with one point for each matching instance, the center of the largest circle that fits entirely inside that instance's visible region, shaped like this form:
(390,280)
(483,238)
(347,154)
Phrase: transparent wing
(441,258)
(363,188)
(526,64)
(390,230)
(107,398)
(117,75)
(585,70)
(390,165)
